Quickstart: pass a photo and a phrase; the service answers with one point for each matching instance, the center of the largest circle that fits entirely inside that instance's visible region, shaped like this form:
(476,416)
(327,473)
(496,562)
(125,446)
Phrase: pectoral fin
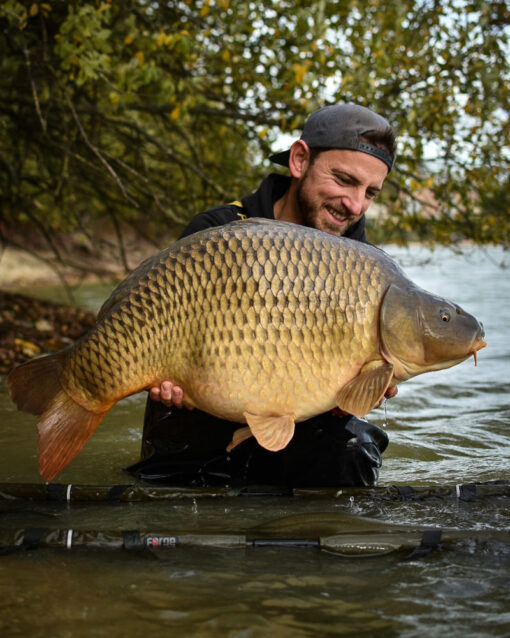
(365,391)
(271,432)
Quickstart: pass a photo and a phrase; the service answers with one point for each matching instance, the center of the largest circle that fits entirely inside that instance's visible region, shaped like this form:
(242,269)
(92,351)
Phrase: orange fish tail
(64,426)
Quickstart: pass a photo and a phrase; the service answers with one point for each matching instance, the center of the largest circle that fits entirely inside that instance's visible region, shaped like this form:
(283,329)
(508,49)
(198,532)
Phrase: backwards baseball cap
(342,126)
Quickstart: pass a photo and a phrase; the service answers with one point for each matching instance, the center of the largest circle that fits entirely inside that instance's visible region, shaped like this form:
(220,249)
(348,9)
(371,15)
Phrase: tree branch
(98,154)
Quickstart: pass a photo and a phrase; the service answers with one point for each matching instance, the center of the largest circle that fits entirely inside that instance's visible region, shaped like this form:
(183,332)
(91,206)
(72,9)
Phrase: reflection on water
(446,427)
(198,594)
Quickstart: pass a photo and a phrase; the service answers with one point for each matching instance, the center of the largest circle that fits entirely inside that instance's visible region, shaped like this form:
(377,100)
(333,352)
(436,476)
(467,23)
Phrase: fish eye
(445,315)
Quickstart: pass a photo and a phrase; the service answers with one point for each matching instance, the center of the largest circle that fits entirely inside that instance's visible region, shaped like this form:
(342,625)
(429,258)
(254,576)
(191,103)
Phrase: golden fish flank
(264,323)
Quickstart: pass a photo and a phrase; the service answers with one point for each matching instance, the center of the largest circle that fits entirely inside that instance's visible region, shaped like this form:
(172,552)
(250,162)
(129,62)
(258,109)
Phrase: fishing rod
(347,544)
(379,540)
(143,492)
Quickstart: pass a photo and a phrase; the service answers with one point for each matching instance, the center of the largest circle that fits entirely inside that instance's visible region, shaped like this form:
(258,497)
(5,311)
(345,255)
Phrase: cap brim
(281,158)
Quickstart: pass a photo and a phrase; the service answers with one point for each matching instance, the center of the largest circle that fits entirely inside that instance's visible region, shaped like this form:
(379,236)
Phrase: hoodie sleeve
(357,231)
(213,217)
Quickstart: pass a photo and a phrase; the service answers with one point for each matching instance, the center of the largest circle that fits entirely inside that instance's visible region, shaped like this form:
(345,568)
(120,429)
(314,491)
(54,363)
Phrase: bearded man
(337,168)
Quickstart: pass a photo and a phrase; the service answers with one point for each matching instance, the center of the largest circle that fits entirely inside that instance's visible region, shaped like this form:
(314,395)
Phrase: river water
(446,428)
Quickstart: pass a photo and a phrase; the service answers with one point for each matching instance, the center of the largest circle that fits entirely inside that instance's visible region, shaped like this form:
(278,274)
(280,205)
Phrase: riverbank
(30,327)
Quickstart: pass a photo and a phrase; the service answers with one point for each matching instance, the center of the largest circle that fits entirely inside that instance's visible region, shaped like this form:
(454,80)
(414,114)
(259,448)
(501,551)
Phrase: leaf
(300,72)
(205,9)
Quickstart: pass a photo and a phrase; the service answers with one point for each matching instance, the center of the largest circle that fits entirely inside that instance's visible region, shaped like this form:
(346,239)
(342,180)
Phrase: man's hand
(391,392)
(169,394)
(173,396)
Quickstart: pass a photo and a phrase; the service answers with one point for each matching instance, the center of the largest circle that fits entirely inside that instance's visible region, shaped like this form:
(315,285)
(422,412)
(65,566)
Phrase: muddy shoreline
(31,327)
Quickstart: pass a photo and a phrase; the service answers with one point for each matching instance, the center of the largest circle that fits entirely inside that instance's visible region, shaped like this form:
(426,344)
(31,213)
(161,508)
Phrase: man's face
(337,189)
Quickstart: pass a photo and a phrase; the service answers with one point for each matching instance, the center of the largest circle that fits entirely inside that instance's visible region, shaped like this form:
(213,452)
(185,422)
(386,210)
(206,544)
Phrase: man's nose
(353,203)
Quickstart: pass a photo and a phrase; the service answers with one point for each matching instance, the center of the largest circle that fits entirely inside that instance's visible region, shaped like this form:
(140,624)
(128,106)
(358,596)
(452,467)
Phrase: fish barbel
(261,322)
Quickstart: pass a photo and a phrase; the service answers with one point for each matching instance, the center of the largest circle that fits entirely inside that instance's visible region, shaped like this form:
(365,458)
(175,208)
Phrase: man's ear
(299,159)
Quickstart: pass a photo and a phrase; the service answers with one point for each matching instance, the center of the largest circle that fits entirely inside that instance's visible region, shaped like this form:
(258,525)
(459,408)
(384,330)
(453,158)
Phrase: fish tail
(64,425)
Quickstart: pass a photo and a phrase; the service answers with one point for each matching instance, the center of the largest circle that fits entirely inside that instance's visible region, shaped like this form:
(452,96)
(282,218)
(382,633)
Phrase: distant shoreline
(19,268)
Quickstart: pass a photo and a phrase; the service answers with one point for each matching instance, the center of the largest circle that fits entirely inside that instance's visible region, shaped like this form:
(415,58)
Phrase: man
(337,168)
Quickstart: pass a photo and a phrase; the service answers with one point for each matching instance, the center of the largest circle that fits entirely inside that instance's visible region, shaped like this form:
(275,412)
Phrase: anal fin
(364,392)
(239,436)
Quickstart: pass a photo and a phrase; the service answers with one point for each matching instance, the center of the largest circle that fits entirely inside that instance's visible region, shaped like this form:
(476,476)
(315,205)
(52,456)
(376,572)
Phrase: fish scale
(260,322)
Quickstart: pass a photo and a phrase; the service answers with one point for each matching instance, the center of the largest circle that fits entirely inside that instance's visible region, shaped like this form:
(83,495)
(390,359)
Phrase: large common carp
(261,322)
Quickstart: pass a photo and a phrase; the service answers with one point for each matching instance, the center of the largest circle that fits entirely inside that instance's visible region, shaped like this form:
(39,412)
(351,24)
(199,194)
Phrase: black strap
(31,539)
(405,492)
(132,540)
(466,492)
(430,540)
(56,492)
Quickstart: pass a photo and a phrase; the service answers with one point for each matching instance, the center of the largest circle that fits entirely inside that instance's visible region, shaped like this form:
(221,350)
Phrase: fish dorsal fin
(364,392)
(271,432)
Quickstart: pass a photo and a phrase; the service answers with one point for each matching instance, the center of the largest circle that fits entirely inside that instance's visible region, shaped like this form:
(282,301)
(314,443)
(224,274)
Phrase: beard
(314,215)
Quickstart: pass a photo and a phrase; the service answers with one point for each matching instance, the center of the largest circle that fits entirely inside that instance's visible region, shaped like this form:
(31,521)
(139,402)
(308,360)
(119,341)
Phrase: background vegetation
(130,117)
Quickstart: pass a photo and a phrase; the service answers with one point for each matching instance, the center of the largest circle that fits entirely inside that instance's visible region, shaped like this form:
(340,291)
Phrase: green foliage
(146,113)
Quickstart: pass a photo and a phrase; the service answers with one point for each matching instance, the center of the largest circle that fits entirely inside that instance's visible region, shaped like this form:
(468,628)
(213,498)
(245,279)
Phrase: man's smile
(339,217)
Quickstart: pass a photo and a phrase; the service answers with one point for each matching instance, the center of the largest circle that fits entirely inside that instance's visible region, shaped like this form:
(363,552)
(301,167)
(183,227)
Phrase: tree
(144,113)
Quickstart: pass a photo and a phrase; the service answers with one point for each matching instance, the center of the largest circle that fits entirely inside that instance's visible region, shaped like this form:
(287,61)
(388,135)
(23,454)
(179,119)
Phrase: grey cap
(342,126)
